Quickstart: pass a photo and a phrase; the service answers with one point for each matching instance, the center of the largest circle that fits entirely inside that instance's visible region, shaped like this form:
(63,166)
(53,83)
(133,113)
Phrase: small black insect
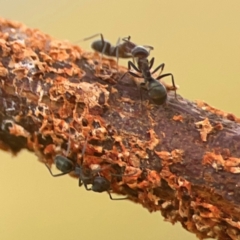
(156,90)
(121,50)
(93,177)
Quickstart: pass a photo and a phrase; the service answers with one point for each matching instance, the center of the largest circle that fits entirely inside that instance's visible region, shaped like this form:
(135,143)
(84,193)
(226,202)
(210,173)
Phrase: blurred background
(199,41)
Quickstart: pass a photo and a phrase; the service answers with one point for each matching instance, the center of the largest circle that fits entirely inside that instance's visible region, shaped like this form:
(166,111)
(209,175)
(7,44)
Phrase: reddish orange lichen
(178,118)
(205,128)
(219,112)
(216,160)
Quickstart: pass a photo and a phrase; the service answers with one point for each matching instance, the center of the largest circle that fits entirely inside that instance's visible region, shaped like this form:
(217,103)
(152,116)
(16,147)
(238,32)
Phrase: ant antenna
(93,36)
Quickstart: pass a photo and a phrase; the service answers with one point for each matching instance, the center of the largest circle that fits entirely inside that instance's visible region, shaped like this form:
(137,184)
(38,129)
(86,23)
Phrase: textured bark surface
(185,155)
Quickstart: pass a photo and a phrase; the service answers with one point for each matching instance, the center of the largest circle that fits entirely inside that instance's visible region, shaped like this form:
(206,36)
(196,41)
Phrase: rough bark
(185,155)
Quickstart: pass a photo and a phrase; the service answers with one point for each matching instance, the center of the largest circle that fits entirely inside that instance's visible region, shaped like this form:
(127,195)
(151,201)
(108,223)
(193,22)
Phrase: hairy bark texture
(184,156)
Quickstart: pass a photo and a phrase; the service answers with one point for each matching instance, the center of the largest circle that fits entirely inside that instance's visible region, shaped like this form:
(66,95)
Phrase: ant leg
(135,75)
(116,198)
(56,175)
(149,47)
(173,83)
(126,39)
(124,175)
(141,98)
(83,180)
(161,67)
(79,171)
(83,151)
(80,182)
(123,76)
(132,73)
(103,50)
(151,64)
(86,187)
(104,47)
(117,51)
(131,64)
(69,143)
(133,60)
(93,36)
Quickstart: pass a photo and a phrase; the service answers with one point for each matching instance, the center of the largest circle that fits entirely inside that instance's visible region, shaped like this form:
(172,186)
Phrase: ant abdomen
(157,92)
(103,47)
(63,164)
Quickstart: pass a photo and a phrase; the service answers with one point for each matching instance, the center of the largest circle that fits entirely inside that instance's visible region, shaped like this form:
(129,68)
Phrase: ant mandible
(121,50)
(156,90)
(98,182)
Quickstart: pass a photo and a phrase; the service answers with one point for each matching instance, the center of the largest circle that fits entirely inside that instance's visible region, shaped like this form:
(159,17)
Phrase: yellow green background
(199,41)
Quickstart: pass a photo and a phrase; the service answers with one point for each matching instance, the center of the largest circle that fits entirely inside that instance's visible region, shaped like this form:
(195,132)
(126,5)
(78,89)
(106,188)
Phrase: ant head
(101,46)
(140,52)
(157,92)
(63,164)
(100,184)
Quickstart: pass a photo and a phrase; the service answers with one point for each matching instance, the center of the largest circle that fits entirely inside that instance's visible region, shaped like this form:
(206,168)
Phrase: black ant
(121,50)
(156,90)
(98,182)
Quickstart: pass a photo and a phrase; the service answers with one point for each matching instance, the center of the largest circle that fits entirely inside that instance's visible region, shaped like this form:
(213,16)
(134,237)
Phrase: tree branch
(184,155)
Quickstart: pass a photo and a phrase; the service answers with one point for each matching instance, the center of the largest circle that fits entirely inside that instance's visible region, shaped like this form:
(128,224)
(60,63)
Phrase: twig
(186,155)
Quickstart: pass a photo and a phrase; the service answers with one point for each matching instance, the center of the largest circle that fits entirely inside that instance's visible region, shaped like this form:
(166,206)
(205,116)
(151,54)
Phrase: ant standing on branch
(156,90)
